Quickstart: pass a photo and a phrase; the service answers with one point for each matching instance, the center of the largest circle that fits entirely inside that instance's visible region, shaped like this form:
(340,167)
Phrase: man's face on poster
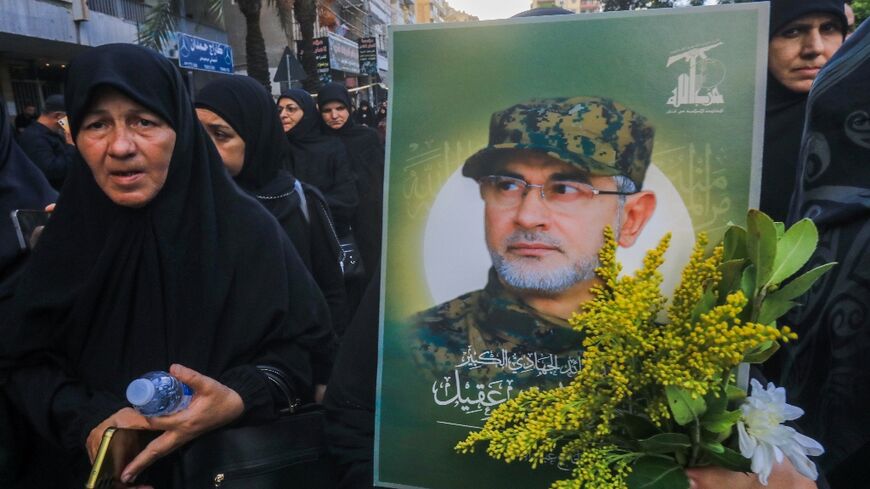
(546,244)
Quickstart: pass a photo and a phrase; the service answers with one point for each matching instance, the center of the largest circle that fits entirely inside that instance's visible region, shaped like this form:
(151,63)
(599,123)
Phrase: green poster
(549,118)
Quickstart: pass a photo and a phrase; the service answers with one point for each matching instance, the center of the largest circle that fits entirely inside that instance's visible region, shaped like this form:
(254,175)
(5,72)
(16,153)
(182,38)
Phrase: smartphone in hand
(28,226)
(118,448)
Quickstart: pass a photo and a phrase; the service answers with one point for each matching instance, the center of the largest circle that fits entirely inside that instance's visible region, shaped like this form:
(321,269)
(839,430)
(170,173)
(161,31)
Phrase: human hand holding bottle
(212,406)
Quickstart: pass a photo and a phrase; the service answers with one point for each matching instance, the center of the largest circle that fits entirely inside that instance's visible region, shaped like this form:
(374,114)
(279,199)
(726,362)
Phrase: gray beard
(525,275)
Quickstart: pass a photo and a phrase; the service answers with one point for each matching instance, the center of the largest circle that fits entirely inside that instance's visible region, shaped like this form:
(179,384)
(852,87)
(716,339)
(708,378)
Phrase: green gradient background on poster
(447,83)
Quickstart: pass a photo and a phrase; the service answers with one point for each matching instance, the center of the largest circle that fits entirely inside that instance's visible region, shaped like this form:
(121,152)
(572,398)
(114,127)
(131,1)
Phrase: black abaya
(827,371)
(367,157)
(245,105)
(201,275)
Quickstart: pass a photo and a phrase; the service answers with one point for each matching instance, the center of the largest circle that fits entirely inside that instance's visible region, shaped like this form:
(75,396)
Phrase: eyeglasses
(560,195)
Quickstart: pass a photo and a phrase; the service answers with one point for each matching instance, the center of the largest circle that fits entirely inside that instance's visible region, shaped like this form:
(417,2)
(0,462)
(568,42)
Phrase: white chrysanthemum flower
(765,440)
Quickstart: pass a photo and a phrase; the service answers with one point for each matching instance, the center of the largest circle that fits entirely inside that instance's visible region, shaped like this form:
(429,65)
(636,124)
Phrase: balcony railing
(131,10)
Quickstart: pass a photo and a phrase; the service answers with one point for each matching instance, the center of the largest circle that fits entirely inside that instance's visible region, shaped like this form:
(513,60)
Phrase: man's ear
(636,212)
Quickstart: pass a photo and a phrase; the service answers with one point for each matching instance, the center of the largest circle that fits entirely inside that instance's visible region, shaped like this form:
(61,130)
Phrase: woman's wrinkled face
(127,147)
(290,113)
(229,144)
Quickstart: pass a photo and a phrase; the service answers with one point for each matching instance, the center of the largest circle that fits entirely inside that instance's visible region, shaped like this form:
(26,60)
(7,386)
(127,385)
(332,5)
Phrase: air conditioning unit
(80,10)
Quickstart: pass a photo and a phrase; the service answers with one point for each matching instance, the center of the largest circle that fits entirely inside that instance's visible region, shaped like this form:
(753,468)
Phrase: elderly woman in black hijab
(318,159)
(241,118)
(153,258)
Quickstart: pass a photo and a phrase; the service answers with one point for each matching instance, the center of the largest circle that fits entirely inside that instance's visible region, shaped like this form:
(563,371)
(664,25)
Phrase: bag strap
(278,378)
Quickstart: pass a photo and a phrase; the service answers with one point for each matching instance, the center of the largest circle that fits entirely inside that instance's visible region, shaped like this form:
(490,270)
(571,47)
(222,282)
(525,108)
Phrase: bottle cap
(140,392)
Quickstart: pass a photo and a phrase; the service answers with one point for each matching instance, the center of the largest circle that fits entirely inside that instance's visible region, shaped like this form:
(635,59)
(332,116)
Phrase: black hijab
(22,186)
(827,371)
(201,275)
(784,116)
(335,92)
(321,160)
(250,110)
(308,128)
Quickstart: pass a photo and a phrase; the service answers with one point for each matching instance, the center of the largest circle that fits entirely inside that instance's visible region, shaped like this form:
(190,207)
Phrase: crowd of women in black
(208,239)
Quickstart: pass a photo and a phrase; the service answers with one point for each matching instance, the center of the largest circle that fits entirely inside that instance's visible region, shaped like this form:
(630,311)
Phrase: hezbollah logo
(700,85)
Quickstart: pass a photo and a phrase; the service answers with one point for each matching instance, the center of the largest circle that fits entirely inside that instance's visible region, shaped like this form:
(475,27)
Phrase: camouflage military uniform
(594,134)
(490,335)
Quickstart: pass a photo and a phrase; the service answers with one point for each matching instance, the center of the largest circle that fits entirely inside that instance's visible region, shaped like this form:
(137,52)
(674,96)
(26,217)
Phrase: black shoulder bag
(290,452)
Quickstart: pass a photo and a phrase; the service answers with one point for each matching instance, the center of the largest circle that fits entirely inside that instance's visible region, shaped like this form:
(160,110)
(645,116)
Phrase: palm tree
(255,45)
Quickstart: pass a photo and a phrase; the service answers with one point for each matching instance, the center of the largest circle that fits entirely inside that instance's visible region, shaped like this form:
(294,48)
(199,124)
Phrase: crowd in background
(242,231)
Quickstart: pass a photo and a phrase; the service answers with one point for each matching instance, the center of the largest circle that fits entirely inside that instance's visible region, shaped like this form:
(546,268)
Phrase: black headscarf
(247,107)
(827,371)
(334,92)
(307,129)
(784,11)
(321,160)
(22,186)
(201,275)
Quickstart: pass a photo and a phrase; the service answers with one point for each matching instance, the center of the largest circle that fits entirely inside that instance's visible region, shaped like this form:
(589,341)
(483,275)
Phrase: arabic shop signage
(368,55)
(320,46)
(196,53)
(343,54)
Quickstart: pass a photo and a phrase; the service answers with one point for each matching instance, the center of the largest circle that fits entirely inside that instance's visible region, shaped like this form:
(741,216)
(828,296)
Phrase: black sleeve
(342,197)
(309,308)
(350,398)
(300,341)
(60,408)
(53,159)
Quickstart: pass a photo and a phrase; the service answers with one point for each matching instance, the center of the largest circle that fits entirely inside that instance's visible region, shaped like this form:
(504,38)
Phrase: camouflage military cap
(594,134)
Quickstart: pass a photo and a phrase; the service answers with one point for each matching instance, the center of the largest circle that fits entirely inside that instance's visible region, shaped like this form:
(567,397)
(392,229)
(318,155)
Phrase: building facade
(38,38)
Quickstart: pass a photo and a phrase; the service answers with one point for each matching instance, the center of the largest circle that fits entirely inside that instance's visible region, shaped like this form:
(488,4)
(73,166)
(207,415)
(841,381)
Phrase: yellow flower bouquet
(654,397)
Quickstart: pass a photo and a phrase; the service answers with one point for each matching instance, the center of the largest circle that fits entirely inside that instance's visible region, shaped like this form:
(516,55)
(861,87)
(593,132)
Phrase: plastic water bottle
(158,394)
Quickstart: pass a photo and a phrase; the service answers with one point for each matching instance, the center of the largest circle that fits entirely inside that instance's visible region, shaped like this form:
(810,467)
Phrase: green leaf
(713,447)
(761,243)
(799,285)
(734,243)
(736,395)
(638,427)
(747,285)
(730,459)
(761,353)
(794,249)
(657,473)
(780,228)
(732,272)
(683,407)
(665,443)
(747,282)
(721,422)
(773,308)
